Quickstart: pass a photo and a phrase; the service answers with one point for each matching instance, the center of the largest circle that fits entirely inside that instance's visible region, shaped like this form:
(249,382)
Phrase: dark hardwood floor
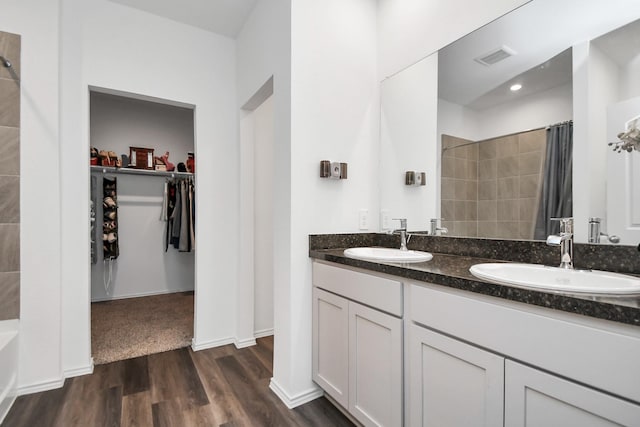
(223,386)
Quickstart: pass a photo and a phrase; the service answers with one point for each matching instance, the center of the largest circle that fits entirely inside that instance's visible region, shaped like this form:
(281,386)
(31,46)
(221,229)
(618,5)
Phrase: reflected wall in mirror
(571,65)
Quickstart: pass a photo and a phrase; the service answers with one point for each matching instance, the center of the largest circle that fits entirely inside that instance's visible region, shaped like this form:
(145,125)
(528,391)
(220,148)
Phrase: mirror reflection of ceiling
(622,45)
(537,35)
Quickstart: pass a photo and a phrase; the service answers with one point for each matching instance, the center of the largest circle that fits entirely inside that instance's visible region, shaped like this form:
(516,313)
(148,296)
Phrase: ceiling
(623,44)
(537,32)
(225,17)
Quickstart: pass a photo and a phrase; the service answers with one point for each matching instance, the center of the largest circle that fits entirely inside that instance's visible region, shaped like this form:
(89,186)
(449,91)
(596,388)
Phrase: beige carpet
(127,328)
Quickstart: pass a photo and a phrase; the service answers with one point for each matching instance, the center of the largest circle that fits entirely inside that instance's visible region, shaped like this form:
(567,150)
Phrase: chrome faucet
(595,232)
(403,233)
(564,240)
(435,230)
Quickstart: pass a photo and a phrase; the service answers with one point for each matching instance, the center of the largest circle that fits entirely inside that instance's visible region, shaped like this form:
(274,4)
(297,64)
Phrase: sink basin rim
(586,281)
(380,254)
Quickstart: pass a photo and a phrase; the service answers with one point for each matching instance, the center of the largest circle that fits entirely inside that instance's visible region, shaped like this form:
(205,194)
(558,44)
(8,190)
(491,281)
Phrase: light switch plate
(384,219)
(363,219)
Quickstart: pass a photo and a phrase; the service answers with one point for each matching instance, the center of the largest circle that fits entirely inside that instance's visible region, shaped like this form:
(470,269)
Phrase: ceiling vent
(495,56)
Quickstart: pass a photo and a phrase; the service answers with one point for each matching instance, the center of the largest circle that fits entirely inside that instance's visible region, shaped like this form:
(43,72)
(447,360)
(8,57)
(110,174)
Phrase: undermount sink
(387,254)
(557,279)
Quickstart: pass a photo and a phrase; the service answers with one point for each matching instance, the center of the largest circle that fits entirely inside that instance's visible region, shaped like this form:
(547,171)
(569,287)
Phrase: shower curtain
(556,200)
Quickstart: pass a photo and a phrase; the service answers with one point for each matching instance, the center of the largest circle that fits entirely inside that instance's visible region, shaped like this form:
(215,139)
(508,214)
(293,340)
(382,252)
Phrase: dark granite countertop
(452,270)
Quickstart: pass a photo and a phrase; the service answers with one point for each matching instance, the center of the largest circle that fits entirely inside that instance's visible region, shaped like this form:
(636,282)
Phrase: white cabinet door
(375,361)
(535,398)
(453,383)
(331,345)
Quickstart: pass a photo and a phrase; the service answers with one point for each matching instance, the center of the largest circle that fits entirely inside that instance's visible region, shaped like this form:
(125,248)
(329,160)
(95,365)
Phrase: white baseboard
(297,400)
(263,333)
(197,346)
(246,342)
(42,386)
(142,294)
(77,372)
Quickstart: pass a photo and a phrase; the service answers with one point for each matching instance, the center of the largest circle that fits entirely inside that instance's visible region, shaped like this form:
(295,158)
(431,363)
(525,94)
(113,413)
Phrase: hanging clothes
(192,216)
(168,206)
(176,218)
(184,244)
(178,213)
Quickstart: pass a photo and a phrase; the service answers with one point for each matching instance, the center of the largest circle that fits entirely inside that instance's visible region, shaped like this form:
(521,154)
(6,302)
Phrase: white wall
(409,141)
(116,124)
(595,86)
(36,21)
(409,30)
(456,120)
(112,46)
(534,111)
(630,79)
(332,109)
(264,52)
(263,217)
(334,116)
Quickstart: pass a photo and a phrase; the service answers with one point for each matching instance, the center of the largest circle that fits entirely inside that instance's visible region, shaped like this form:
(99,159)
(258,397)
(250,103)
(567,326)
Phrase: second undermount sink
(557,279)
(387,254)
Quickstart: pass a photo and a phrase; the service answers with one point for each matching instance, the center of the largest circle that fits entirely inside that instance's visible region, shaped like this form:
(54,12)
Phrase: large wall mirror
(525,107)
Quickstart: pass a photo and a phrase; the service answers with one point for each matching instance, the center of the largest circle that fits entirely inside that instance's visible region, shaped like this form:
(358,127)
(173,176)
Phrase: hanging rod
(131,171)
(506,135)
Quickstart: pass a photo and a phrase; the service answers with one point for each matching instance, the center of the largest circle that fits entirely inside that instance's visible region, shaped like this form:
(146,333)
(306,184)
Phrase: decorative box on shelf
(141,158)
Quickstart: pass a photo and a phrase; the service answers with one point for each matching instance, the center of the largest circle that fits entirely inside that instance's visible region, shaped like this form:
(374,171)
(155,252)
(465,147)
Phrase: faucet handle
(403,222)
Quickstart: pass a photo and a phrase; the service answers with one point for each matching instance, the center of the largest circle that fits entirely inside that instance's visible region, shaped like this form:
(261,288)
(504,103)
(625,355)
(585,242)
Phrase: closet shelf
(130,171)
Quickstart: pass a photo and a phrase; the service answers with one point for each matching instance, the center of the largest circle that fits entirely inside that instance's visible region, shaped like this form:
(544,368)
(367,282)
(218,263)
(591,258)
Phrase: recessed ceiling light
(516,87)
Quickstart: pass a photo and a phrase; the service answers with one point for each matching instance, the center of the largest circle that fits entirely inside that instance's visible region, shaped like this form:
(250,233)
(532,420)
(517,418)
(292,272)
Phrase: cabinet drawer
(378,292)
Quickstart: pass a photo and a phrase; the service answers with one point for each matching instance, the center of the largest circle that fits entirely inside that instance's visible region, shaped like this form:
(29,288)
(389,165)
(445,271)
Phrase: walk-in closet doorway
(142,180)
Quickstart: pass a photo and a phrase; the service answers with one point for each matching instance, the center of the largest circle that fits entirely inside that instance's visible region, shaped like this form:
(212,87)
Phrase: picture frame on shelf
(141,158)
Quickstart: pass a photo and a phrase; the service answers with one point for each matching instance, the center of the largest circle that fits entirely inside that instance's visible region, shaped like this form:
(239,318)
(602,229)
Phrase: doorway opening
(142,176)
(257,171)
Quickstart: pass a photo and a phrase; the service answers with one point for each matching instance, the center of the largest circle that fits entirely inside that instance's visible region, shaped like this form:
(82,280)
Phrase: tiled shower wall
(459,203)
(10,178)
(508,176)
